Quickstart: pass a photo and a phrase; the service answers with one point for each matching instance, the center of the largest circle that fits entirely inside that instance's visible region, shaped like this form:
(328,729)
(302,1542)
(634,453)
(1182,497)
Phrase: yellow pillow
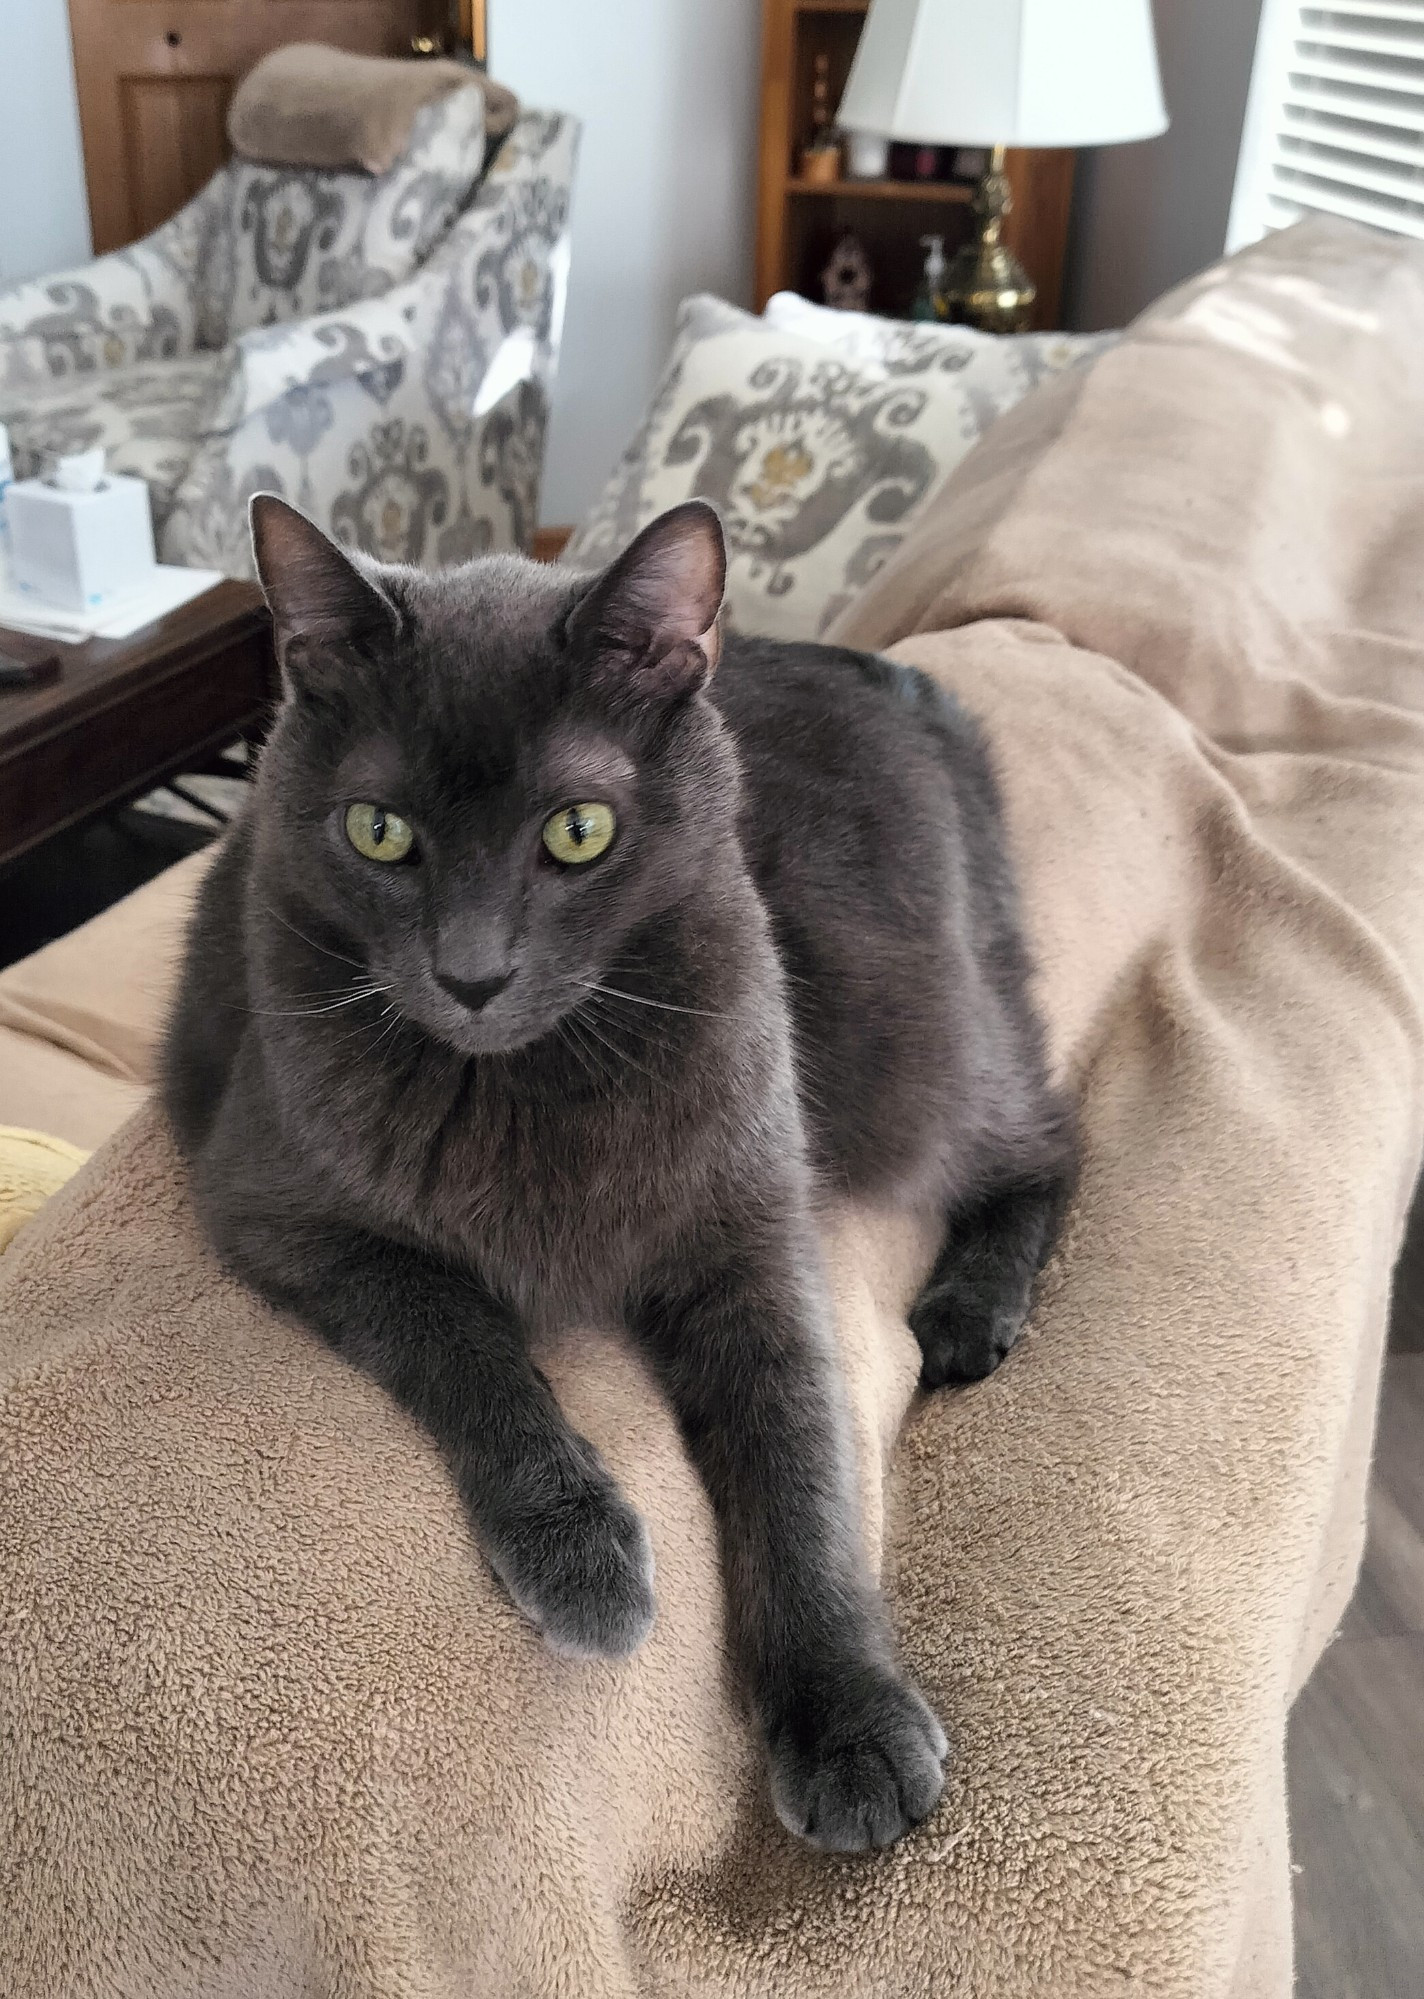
(32,1167)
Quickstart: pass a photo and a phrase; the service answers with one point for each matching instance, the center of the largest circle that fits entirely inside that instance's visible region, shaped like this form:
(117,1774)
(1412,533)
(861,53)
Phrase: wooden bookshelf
(882,190)
(799,221)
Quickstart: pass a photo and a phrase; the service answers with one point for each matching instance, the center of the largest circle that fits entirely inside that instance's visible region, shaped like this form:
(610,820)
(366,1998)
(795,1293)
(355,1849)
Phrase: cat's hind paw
(963,1340)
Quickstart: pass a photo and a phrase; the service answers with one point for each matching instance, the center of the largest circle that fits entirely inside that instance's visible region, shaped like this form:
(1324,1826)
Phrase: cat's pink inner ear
(313,588)
(657,605)
(680,573)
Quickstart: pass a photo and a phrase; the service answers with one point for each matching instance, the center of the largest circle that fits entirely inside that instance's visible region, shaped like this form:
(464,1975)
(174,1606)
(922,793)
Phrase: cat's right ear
(323,607)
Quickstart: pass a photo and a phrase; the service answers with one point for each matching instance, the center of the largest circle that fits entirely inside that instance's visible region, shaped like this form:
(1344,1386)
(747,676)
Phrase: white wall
(1147,216)
(44,215)
(663,201)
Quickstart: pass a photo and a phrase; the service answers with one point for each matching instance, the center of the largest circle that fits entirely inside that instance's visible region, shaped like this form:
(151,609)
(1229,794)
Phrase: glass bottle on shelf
(821,159)
(928,302)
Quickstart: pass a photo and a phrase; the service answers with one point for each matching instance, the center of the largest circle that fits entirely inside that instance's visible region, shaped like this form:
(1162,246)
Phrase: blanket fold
(270,1725)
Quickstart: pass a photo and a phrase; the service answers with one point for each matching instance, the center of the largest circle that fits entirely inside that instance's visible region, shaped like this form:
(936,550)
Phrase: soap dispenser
(928,302)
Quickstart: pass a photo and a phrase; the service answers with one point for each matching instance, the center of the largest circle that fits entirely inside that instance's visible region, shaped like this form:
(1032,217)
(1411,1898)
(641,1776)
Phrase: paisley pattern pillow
(817,461)
(286,243)
(994,370)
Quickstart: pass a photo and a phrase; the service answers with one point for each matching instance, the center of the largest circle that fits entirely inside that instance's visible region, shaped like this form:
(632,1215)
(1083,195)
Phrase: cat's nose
(474,993)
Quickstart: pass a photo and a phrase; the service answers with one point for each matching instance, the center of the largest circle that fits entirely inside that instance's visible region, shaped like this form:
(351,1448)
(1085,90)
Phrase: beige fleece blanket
(269,1726)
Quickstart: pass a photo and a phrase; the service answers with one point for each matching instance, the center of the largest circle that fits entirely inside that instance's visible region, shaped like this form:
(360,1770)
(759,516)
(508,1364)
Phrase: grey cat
(548,979)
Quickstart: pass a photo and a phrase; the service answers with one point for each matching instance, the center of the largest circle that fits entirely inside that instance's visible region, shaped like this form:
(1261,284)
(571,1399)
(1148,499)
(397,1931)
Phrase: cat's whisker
(638,999)
(583,1055)
(364,1027)
(589,1040)
(312,1012)
(391,1015)
(325,949)
(590,1024)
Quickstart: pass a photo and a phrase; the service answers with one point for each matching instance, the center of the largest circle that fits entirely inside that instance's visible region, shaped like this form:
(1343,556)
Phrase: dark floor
(1355,1760)
(75,875)
(1356,1750)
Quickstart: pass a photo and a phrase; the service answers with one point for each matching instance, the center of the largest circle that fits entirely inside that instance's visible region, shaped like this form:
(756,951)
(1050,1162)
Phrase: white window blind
(1335,120)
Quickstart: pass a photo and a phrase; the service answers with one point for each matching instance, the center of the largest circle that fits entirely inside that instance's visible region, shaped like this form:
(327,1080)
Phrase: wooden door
(155,77)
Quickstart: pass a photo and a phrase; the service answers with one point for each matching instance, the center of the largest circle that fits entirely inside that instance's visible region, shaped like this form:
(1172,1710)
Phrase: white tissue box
(77,551)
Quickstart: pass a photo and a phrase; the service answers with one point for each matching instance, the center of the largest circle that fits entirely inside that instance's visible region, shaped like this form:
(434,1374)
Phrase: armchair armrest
(364,339)
(136,304)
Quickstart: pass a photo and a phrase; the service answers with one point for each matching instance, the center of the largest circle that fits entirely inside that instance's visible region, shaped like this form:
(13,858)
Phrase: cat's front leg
(734,1324)
(567,1545)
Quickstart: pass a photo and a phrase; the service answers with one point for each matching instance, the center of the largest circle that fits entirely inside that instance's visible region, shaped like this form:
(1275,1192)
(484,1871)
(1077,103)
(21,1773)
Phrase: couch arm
(136,304)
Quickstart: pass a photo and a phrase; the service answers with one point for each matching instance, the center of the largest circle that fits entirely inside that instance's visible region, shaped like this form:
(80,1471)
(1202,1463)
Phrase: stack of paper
(163,589)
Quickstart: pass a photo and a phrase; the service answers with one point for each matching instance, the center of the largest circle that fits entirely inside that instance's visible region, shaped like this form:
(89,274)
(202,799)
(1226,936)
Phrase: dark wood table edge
(37,715)
(117,797)
(240,621)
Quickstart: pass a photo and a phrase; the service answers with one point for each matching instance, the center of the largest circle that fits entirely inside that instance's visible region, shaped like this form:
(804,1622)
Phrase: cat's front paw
(859,1764)
(584,1574)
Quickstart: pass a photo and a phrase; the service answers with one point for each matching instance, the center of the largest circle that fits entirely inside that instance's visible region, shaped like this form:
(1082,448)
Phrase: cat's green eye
(378,834)
(579,832)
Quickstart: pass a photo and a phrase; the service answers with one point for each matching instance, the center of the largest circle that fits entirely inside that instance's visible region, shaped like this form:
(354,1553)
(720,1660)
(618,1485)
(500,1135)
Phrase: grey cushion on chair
(286,243)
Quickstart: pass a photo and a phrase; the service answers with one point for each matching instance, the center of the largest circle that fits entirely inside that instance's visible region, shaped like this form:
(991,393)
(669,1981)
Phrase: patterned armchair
(379,350)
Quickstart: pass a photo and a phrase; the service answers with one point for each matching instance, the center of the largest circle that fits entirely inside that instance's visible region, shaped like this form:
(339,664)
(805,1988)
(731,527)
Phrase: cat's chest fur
(559,1176)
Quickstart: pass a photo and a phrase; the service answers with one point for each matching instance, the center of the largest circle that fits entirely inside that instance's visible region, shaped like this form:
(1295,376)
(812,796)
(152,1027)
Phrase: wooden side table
(125,714)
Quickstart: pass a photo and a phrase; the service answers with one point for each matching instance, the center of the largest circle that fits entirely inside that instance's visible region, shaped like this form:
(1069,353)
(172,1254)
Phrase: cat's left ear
(652,615)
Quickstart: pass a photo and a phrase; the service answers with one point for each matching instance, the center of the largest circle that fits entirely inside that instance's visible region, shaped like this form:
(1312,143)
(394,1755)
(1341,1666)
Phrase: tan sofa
(270,1726)
(79,1019)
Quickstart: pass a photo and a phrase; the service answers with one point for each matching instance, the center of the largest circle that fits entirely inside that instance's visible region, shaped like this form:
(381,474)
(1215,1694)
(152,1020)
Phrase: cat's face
(483,783)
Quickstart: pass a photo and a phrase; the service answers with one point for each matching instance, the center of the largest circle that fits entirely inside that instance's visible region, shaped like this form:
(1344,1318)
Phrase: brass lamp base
(986,285)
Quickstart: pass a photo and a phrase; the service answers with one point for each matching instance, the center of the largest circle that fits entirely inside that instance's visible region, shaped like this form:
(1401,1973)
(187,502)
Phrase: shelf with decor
(807,50)
(883,190)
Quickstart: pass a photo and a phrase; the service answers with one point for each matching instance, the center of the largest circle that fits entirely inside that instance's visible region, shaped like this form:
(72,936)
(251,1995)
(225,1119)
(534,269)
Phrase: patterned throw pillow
(818,456)
(994,370)
(284,243)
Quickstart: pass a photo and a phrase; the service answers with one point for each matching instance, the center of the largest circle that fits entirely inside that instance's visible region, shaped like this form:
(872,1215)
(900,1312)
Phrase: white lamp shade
(1006,73)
